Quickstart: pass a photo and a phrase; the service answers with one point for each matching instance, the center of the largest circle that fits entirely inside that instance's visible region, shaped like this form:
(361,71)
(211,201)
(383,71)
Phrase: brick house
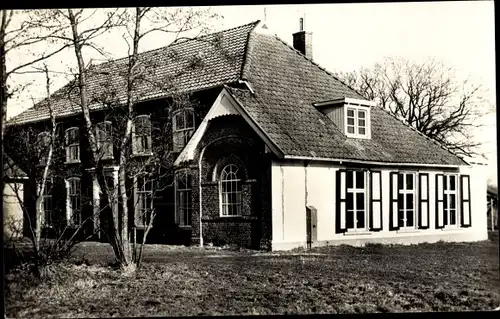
(279,154)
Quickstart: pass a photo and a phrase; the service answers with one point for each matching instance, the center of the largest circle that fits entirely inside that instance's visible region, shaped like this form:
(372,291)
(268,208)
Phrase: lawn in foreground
(428,277)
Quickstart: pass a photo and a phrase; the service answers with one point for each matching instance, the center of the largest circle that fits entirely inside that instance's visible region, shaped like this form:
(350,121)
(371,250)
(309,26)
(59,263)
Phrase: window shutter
(376,201)
(423,201)
(465,211)
(69,218)
(341,202)
(393,223)
(439,201)
(136,202)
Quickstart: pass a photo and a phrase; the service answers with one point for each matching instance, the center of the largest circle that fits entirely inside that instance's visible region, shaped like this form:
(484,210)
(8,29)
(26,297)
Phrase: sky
(349,36)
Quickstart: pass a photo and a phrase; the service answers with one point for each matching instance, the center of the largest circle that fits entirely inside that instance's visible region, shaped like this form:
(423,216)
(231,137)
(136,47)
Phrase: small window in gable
(73,145)
(141,135)
(356,121)
(351,116)
(182,128)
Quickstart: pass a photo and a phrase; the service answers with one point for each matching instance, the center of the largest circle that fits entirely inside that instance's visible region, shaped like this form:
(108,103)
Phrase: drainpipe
(200,190)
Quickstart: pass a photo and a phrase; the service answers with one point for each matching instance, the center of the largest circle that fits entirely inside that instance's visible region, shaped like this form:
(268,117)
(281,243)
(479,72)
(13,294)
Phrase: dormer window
(351,116)
(356,121)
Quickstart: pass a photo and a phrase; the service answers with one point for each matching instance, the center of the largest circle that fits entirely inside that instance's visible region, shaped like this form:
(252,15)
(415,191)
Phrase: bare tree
(38,158)
(427,96)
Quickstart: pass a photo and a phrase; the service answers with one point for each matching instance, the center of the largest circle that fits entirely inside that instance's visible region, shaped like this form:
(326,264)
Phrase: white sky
(349,36)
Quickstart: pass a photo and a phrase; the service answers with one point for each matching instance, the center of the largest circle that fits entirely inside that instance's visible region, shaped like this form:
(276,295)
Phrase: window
(450,200)
(141,135)
(73,145)
(356,199)
(230,191)
(357,121)
(74,201)
(105,140)
(144,200)
(43,141)
(183,199)
(47,203)
(406,200)
(182,128)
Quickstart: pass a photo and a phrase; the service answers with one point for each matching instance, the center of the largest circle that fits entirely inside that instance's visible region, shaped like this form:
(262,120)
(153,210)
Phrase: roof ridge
(319,66)
(246,52)
(405,123)
(177,43)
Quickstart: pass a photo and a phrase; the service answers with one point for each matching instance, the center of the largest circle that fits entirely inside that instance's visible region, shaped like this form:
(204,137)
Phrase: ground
(178,281)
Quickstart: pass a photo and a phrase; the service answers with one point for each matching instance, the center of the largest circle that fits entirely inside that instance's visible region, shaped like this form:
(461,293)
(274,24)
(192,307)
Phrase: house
(278,153)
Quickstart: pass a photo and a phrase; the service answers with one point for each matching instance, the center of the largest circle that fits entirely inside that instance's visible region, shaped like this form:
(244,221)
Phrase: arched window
(230,190)
(73,145)
(73,188)
(43,141)
(141,135)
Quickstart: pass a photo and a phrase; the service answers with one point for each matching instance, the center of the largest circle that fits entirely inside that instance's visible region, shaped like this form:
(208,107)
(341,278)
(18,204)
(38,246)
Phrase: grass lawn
(193,281)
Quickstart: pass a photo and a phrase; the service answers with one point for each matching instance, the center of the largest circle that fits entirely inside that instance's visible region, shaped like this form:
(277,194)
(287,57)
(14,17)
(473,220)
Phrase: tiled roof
(185,66)
(10,169)
(285,83)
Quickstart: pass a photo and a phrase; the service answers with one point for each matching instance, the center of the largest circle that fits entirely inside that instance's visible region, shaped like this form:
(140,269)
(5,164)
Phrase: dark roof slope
(10,169)
(184,66)
(286,84)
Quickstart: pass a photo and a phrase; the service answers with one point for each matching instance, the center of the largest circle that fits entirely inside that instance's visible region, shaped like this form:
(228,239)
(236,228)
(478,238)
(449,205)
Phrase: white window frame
(71,199)
(141,195)
(357,109)
(404,191)
(73,146)
(183,211)
(105,144)
(135,137)
(446,194)
(184,133)
(354,190)
(224,196)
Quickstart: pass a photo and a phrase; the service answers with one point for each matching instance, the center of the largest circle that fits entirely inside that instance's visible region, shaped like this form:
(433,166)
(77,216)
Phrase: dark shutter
(423,201)
(393,212)
(375,201)
(439,200)
(341,201)
(465,211)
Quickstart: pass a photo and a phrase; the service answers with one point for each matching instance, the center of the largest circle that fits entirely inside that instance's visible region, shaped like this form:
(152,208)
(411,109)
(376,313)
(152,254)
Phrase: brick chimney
(302,41)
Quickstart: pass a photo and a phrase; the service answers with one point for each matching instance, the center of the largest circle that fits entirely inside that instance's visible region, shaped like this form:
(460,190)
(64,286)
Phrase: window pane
(180,121)
(409,181)
(401,181)
(350,219)
(350,129)
(350,121)
(409,218)
(401,222)
(361,114)
(401,201)
(453,202)
(409,201)
(361,219)
(445,182)
(361,122)
(453,217)
(360,180)
(350,179)
(350,113)
(189,119)
(350,202)
(452,182)
(362,131)
(360,201)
